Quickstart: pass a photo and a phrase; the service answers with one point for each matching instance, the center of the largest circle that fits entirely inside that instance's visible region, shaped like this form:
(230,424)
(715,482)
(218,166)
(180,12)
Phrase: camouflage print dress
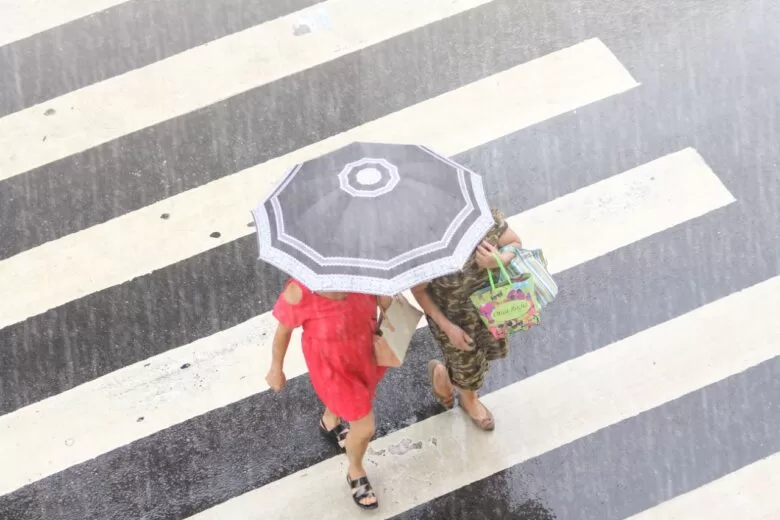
(451,294)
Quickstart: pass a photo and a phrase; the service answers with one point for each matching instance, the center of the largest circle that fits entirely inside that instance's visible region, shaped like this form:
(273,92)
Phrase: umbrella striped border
(369,284)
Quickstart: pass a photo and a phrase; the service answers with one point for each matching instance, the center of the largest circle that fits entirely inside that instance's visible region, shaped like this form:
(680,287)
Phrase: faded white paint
(540,414)
(750,493)
(139,242)
(204,75)
(99,416)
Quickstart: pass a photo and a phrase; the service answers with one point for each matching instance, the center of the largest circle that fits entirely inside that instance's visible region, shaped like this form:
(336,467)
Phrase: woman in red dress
(338,346)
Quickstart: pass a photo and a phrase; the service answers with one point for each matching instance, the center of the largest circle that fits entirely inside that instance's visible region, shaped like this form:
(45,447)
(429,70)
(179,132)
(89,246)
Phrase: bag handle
(378,330)
(502,267)
(382,313)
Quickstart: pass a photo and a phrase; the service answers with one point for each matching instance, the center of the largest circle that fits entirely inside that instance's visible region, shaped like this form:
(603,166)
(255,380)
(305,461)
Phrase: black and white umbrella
(372,218)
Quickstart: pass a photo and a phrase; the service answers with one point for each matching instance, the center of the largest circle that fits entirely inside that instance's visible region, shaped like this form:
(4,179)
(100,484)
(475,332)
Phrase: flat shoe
(443,400)
(486,423)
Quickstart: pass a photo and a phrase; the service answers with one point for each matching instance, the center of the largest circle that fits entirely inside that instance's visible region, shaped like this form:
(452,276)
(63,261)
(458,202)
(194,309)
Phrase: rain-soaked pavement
(708,74)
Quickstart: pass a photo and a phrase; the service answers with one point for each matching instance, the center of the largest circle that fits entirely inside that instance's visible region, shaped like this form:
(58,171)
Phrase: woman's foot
(477,412)
(334,429)
(362,492)
(443,391)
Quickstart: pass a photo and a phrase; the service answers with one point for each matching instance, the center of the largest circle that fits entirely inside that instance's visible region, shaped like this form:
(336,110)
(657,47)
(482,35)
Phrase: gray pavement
(709,75)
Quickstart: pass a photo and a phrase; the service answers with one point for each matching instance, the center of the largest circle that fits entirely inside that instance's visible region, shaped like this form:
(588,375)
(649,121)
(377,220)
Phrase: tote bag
(533,262)
(509,307)
(396,327)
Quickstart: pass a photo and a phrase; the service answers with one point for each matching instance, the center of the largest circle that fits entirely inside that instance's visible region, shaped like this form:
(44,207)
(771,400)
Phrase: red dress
(338,348)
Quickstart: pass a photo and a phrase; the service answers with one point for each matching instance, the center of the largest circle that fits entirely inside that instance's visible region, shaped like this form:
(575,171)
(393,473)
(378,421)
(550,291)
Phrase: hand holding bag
(396,327)
(533,262)
(507,308)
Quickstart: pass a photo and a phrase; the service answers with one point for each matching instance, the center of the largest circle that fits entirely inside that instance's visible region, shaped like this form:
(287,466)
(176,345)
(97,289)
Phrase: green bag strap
(502,267)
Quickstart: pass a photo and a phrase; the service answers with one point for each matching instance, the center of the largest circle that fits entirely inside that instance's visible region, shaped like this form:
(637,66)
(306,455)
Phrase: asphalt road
(708,75)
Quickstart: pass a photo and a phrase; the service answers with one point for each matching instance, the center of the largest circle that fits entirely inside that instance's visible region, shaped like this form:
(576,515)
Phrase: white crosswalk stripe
(581,396)
(749,493)
(51,445)
(678,187)
(203,76)
(135,243)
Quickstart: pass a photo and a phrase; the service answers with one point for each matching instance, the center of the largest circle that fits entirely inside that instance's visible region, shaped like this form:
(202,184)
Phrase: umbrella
(372,218)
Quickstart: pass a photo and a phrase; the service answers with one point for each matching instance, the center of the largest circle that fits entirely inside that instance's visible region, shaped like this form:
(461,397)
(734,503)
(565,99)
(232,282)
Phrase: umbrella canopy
(372,218)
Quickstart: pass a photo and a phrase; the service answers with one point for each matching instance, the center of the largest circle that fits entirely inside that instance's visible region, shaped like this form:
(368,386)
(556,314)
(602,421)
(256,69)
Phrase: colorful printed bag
(533,262)
(508,308)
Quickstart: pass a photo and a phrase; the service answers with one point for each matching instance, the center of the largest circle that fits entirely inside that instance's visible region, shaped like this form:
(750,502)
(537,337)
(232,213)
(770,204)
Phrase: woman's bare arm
(275,377)
(509,237)
(279,347)
(486,252)
(420,293)
(456,335)
(384,302)
(292,295)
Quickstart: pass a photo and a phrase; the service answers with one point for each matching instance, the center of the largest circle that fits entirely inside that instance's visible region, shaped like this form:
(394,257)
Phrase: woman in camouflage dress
(465,341)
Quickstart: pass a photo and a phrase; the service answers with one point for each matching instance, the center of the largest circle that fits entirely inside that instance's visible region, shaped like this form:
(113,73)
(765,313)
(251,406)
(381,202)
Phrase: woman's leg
(443,389)
(330,419)
(493,349)
(467,370)
(360,434)
(333,427)
(480,415)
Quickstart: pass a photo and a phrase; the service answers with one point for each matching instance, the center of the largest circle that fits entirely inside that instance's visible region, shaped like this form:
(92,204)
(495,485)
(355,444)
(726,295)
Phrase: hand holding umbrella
(486,256)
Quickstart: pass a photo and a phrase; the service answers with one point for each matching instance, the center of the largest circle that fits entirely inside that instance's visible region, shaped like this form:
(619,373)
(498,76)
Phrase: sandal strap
(337,434)
(360,481)
(364,493)
(363,486)
(361,489)
(341,430)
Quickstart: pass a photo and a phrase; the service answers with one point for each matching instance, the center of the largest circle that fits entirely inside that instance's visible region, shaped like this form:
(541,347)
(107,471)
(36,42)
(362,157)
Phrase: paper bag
(395,331)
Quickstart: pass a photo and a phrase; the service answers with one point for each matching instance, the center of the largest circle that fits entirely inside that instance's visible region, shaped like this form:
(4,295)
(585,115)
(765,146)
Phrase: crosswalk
(135,325)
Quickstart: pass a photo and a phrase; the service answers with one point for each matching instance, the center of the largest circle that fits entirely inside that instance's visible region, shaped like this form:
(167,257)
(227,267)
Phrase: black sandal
(338,434)
(365,491)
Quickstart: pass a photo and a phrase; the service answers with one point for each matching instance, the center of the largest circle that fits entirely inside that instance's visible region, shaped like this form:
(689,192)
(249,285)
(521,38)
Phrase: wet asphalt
(709,74)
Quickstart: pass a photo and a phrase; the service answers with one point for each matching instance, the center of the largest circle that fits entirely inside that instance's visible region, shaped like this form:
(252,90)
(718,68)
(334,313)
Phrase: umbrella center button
(368,176)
